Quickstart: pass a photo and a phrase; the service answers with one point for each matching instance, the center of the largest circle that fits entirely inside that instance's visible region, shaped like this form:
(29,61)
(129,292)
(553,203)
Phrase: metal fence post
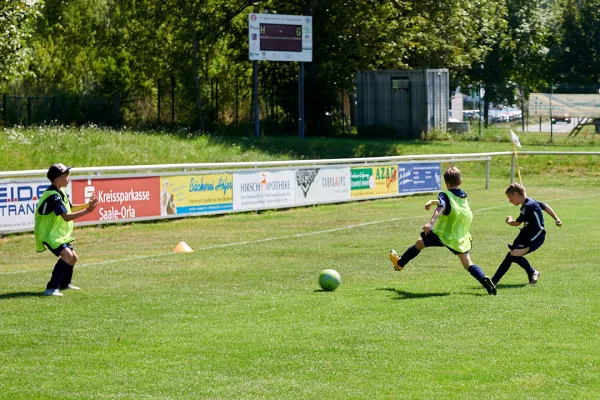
(118,108)
(256,102)
(237,98)
(217,100)
(301,124)
(487,173)
(4,105)
(173,99)
(158,103)
(28,111)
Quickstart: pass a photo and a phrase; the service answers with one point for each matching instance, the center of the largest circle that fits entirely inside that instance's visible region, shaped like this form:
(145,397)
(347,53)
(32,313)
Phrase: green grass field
(242,317)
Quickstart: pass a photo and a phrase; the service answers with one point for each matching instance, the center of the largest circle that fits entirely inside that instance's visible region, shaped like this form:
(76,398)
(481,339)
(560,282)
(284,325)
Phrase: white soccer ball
(329,279)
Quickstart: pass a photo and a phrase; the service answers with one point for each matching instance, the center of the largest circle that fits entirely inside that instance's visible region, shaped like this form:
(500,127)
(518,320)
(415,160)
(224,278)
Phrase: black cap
(57,170)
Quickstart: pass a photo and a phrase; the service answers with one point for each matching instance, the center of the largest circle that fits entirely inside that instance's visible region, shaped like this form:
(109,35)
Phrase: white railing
(261,164)
(19,190)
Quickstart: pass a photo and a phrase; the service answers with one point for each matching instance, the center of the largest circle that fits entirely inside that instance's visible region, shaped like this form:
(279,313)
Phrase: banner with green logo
(374,181)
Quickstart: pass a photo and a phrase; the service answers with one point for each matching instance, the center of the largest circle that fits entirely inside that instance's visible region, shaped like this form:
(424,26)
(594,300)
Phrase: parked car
(470,115)
(558,116)
(498,115)
(514,114)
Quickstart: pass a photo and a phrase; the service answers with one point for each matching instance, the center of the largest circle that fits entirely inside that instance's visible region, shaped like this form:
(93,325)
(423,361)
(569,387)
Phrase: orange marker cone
(182,247)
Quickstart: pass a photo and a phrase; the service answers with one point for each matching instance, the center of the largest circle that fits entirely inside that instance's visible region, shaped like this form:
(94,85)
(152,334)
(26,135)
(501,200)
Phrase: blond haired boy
(448,227)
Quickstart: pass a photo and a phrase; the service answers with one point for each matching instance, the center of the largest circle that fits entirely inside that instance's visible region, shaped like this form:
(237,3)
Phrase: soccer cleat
(488,285)
(394,258)
(72,287)
(534,277)
(52,292)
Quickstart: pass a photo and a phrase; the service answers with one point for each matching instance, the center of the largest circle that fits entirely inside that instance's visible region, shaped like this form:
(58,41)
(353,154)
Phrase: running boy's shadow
(502,286)
(20,294)
(402,294)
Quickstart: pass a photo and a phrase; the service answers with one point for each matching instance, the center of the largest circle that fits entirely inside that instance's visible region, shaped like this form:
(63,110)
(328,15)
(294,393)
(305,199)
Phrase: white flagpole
(515,140)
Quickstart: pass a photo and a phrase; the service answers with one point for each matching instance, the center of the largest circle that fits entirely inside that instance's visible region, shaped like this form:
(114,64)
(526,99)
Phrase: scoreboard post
(276,37)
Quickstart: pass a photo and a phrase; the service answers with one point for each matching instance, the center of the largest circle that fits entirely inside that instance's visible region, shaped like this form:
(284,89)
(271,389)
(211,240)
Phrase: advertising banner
(119,198)
(17,204)
(564,105)
(319,185)
(263,189)
(422,177)
(189,194)
(374,181)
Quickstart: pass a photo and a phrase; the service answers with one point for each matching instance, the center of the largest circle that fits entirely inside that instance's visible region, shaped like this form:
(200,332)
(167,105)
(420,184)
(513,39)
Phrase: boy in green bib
(448,227)
(54,217)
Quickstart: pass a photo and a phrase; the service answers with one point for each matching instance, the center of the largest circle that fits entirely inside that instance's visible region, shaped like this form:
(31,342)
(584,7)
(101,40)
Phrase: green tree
(17,19)
(578,51)
(530,23)
(124,47)
(202,28)
(516,61)
(391,34)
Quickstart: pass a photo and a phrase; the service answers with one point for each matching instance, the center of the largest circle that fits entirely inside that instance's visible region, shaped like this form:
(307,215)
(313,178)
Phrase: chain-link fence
(564,108)
(168,103)
(385,103)
(61,109)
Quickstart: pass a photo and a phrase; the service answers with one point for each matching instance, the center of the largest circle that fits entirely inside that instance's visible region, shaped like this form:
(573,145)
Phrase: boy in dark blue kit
(448,227)
(532,234)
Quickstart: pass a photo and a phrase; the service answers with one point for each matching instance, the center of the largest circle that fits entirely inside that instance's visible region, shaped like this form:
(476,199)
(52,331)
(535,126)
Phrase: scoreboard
(275,37)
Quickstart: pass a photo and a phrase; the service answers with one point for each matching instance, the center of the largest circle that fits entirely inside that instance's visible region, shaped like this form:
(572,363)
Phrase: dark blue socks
(61,269)
(523,263)
(408,255)
(67,277)
(477,273)
(502,269)
(505,266)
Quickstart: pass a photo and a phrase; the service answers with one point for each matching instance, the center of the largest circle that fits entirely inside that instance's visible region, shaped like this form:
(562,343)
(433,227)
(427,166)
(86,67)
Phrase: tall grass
(37,148)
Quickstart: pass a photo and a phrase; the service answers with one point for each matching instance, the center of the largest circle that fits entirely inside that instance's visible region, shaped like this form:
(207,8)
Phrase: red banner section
(122,198)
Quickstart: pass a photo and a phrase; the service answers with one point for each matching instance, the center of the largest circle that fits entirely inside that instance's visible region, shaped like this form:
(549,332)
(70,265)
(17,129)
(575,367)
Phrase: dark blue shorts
(432,240)
(521,243)
(60,248)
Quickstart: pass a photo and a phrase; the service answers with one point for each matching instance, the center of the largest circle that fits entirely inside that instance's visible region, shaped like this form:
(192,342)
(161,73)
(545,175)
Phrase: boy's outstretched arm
(512,222)
(81,209)
(429,226)
(551,212)
(431,203)
(78,207)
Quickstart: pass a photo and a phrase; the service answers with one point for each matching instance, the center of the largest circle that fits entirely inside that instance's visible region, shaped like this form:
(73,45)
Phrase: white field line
(246,242)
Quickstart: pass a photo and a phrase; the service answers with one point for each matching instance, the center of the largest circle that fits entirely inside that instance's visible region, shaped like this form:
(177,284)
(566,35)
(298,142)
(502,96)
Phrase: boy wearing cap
(54,217)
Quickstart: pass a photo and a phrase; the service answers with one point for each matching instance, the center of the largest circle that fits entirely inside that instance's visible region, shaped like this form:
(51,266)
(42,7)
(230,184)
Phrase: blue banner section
(205,208)
(420,177)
